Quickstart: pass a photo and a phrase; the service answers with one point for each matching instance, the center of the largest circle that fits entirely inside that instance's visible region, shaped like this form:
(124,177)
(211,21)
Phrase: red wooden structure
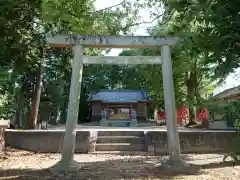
(161,116)
(182,114)
(203,114)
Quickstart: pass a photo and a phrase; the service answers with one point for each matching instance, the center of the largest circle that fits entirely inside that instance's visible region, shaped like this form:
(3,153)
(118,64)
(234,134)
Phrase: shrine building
(120,105)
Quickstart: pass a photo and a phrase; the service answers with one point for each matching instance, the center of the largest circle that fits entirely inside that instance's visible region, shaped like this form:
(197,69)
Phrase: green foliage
(219,21)
(149,77)
(195,78)
(18,33)
(25,23)
(231,112)
(207,52)
(81,17)
(83,115)
(3,104)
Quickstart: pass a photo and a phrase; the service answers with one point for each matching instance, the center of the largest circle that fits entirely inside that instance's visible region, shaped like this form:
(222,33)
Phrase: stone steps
(123,141)
(136,153)
(120,139)
(121,133)
(119,147)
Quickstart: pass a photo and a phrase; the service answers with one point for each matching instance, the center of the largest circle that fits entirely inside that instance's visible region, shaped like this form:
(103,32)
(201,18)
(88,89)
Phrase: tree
(25,24)
(83,115)
(19,41)
(190,55)
(192,76)
(219,22)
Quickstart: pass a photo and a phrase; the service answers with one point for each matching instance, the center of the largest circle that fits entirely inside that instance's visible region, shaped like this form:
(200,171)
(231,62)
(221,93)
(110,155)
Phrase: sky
(231,81)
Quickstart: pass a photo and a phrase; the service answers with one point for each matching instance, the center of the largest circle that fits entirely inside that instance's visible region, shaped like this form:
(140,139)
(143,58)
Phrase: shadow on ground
(109,170)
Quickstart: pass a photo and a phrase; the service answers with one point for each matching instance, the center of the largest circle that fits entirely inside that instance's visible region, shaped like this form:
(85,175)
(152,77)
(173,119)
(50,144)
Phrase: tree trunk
(63,116)
(20,101)
(190,83)
(63,108)
(54,115)
(32,122)
(19,110)
(191,105)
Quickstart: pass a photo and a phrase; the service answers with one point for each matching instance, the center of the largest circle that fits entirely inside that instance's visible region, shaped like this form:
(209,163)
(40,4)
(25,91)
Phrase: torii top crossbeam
(110,41)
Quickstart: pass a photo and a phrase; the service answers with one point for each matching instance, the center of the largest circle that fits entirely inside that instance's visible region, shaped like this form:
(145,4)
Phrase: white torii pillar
(170,109)
(67,162)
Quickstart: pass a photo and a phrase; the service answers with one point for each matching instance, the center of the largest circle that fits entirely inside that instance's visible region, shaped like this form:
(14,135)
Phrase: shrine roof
(120,95)
(235,91)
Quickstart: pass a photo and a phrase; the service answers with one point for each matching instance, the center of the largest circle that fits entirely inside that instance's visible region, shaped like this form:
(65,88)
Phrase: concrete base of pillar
(177,166)
(63,166)
(103,122)
(134,123)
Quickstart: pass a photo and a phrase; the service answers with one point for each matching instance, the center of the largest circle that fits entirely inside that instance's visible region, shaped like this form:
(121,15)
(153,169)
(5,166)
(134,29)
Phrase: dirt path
(25,165)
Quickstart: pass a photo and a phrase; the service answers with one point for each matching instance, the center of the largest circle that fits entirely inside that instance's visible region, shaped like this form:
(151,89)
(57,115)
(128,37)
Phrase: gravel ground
(18,165)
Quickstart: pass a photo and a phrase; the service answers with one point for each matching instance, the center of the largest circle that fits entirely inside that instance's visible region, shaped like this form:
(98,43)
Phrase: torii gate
(78,42)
